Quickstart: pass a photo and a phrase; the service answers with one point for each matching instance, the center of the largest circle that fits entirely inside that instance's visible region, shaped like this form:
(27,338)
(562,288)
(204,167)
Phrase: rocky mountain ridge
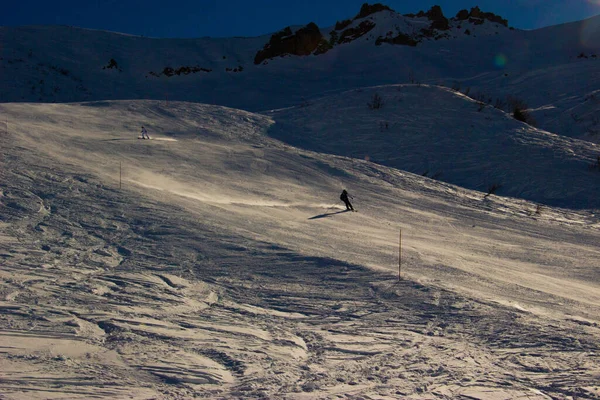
(430,25)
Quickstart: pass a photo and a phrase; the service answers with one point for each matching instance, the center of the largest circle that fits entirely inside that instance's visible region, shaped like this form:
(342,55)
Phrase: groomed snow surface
(216,260)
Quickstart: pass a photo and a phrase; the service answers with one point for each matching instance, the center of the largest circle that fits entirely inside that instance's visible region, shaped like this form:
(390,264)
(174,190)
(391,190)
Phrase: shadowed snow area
(217,261)
(436,132)
(553,70)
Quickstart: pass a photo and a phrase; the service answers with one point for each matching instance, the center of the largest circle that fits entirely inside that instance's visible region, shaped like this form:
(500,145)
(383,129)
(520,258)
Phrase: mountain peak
(368,9)
(477,14)
(392,28)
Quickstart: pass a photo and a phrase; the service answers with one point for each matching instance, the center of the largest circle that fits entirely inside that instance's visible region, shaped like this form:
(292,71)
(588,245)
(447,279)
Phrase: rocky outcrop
(323,47)
(368,9)
(309,40)
(302,43)
(439,21)
(112,64)
(339,25)
(463,15)
(478,17)
(183,70)
(352,34)
(401,39)
(435,14)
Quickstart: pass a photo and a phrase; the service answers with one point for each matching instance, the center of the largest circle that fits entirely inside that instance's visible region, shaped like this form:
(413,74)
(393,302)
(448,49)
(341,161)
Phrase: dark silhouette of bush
(595,165)
(520,115)
(492,189)
(518,108)
(376,103)
(500,104)
(112,64)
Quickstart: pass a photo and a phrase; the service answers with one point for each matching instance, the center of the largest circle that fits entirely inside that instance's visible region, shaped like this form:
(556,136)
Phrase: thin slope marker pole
(120,174)
(400,256)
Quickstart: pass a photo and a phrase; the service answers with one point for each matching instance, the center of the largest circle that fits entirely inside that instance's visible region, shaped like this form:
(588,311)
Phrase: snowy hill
(436,132)
(65,64)
(216,261)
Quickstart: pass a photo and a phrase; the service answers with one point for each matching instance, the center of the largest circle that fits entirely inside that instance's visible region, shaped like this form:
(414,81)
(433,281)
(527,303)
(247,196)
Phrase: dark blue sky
(224,18)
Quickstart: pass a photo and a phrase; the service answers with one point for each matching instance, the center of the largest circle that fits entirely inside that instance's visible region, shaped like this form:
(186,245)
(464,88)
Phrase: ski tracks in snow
(117,293)
(103,298)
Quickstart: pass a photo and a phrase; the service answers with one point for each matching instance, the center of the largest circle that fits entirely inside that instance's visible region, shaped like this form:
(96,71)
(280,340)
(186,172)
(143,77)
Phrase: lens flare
(590,32)
(500,60)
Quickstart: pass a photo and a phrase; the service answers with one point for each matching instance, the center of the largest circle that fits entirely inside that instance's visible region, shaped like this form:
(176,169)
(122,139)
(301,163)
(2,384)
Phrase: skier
(145,133)
(344,197)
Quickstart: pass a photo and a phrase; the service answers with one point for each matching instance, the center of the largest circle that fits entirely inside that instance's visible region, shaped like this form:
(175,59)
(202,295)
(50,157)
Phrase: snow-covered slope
(215,261)
(437,132)
(547,68)
(554,70)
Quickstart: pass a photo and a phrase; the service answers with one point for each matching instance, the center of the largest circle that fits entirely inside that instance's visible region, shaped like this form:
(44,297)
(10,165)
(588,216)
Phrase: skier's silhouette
(145,133)
(344,197)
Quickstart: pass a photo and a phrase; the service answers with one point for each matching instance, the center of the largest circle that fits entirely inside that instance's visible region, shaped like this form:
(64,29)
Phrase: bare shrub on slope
(376,103)
(518,108)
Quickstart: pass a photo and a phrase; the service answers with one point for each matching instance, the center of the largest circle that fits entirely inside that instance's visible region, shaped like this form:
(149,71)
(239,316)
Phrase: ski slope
(438,132)
(216,260)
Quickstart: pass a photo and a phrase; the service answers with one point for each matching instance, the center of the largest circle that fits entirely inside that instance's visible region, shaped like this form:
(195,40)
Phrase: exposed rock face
(477,16)
(302,43)
(339,25)
(462,15)
(112,64)
(476,12)
(183,70)
(440,22)
(400,39)
(368,9)
(309,40)
(323,47)
(351,34)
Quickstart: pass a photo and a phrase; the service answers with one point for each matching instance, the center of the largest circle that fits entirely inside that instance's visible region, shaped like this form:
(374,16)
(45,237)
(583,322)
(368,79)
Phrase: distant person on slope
(145,133)
(344,197)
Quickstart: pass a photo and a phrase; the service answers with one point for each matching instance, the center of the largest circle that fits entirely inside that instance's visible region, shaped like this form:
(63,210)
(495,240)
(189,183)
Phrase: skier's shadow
(328,214)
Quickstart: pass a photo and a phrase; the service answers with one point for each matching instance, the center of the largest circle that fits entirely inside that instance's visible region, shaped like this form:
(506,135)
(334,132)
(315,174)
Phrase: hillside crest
(384,24)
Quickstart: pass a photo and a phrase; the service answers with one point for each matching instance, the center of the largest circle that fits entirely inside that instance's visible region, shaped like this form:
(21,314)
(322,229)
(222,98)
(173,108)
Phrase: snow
(217,261)
(224,268)
(542,67)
